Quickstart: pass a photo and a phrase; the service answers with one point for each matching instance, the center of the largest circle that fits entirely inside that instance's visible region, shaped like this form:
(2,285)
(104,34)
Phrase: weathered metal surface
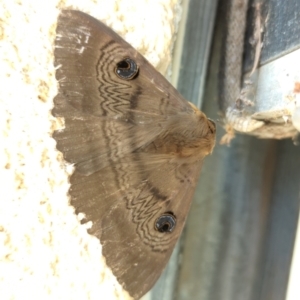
(239,238)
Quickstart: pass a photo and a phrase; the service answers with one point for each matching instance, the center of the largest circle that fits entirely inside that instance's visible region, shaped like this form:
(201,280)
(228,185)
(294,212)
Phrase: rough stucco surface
(44,251)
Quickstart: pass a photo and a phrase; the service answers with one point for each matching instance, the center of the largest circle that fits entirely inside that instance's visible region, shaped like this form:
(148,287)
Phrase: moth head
(205,132)
(212,126)
(209,138)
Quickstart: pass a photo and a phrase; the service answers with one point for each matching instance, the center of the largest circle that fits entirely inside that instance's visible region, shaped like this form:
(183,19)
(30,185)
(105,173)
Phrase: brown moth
(136,143)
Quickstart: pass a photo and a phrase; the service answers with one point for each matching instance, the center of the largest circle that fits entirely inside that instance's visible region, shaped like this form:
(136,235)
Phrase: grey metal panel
(196,49)
(240,232)
(234,243)
(282,219)
(282,29)
(239,237)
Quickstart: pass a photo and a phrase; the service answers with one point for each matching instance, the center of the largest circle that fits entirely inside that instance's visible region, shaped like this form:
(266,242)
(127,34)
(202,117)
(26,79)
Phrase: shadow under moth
(137,146)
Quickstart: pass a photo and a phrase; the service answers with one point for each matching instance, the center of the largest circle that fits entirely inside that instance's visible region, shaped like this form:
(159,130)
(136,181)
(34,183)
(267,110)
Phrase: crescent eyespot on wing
(136,144)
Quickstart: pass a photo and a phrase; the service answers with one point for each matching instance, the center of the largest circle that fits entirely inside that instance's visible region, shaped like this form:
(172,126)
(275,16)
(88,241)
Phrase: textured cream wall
(44,251)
